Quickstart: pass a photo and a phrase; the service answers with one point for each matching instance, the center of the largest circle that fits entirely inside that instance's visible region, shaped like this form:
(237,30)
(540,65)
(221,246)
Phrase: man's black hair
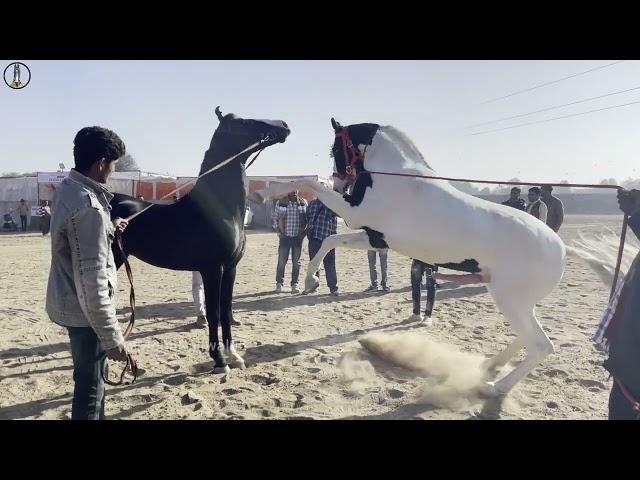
(95,143)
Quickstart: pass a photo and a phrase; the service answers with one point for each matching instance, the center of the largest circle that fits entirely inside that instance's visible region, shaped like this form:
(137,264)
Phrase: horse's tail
(600,252)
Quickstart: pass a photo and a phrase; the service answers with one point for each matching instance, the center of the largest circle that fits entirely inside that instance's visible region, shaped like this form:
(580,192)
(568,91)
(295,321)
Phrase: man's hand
(120,224)
(629,201)
(118,354)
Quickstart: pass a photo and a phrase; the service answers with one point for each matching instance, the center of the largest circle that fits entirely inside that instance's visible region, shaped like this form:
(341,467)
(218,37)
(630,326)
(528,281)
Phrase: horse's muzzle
(280,135)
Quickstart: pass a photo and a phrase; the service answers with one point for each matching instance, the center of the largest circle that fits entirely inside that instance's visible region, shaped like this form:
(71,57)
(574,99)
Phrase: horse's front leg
(355,240)
(212,284)
(227,320)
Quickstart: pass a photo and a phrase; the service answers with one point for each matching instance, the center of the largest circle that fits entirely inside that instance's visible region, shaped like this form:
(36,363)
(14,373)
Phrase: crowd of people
(543,205)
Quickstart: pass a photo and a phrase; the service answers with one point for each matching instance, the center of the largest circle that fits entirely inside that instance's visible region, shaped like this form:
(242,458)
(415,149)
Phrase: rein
(131,362)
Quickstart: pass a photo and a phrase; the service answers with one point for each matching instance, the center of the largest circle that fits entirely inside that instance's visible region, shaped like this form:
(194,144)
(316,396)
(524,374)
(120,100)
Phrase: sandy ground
(303,355)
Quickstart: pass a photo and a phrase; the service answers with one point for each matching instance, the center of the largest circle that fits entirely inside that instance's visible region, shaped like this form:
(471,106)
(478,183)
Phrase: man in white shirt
(536,206)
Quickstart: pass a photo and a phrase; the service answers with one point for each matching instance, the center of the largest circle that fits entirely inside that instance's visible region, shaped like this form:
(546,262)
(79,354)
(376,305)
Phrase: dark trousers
(329,263)
(45,225)
(620,407)
(373,275)
(88,391)
(23,221)
(286,245)
(418,269)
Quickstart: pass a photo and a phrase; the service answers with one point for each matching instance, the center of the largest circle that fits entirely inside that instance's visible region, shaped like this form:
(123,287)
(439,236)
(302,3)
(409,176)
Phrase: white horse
(519,258)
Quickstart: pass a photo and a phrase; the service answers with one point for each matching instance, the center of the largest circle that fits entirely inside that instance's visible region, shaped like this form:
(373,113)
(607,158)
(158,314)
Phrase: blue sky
(163,110)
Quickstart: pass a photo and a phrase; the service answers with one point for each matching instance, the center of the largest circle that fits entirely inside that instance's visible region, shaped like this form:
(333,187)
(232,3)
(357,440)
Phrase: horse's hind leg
(212,279)
(530,335)
(504,356)
(226,318)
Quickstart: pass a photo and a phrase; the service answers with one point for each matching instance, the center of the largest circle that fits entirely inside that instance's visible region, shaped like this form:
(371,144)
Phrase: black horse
(204,231)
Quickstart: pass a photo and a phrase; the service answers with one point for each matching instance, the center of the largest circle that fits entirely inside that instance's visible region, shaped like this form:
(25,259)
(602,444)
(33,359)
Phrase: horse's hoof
(201,321)
(239,364)
(310,288)
(219,370)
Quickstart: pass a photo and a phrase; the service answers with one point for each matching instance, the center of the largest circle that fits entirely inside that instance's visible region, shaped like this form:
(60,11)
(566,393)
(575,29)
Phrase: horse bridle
(266,138)
(352,155)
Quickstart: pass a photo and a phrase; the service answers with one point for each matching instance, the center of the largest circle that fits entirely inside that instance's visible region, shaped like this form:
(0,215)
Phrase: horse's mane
(398,136)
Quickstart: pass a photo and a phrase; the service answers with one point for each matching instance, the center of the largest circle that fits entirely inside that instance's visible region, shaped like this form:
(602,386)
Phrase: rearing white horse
(519,258)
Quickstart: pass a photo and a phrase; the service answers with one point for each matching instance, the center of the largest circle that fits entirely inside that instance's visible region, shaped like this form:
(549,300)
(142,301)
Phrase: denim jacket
(83,279)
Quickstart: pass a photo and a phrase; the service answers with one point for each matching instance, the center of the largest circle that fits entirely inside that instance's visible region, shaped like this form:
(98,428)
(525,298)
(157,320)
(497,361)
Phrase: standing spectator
(373,275)
(45,218)
(555,209)
(291,225)
(515,201)
(536,206)
(323,222)
(197,289)
(418,269)
(23,211)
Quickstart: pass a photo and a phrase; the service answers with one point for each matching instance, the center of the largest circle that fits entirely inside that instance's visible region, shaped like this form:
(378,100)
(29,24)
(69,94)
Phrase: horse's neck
(225,185)
(389,154)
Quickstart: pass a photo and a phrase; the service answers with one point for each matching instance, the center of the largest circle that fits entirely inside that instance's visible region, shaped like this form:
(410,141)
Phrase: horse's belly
(434,250)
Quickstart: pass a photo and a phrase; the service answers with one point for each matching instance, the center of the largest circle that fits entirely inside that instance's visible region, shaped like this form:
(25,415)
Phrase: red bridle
(352,155)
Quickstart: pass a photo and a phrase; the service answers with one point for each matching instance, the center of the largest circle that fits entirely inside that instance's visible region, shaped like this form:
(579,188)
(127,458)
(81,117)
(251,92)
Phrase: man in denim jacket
(82,280)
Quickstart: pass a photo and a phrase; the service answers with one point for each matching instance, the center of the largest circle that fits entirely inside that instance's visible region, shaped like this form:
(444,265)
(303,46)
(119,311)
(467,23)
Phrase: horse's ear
(219,114)
(336,126)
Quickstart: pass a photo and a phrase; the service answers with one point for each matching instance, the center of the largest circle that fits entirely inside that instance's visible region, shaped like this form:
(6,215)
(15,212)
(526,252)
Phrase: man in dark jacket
(515,201)
(555,209)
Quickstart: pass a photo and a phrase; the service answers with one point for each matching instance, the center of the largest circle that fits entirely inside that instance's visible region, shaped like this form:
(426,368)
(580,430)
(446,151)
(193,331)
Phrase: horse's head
(240,133)
(348,158)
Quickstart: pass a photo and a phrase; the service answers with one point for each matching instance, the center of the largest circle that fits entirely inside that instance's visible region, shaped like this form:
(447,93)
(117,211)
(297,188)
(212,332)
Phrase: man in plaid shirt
(291,219)
(323,222)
